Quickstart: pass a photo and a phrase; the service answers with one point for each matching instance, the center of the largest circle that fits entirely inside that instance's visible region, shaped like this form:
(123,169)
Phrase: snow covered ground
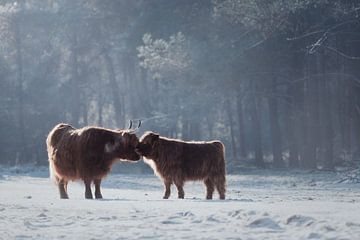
(260,205)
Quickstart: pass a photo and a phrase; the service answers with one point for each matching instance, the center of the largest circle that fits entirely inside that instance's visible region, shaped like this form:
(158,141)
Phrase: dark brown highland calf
(88,154)
(176,161)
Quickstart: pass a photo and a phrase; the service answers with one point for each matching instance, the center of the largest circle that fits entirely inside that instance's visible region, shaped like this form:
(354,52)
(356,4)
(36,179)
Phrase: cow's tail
(52,172)
(221,151)
(52,140)
(220,178)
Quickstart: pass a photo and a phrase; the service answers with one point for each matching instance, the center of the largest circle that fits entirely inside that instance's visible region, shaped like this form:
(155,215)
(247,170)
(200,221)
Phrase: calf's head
(123,146)
(147,146)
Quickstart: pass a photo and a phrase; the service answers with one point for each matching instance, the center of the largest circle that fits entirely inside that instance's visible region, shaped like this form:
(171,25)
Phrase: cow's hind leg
(62,185)
(179,185)
(167,184)
(209,188)
(88,193)
(220,183)
(97,183)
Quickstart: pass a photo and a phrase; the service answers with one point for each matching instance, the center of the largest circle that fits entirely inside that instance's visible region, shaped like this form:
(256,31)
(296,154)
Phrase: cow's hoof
(64,197)
(165,197)
(98,196)
(181,197)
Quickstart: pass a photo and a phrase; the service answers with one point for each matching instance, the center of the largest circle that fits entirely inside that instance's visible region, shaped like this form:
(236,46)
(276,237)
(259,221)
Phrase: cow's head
(123,144)
(147,146)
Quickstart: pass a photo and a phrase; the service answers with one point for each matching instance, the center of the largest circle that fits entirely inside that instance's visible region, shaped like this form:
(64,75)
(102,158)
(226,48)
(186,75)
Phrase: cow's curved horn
(139,124)
(130,125)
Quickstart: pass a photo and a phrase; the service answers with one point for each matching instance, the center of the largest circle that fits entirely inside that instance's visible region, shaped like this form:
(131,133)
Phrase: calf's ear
(155,136)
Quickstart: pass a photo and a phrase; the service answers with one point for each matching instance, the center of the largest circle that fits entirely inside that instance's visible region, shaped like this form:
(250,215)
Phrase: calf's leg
(167,184)
(179,185)
(220,183)
(88,193)
(209,188)
(97,183)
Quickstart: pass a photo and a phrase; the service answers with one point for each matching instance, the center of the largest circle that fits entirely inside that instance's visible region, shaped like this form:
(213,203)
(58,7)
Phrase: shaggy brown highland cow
(176,161)
(88,154)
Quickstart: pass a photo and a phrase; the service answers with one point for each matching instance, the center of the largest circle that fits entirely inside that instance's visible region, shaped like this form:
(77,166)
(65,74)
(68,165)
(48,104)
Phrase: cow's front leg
(97,183)
(167,184)
(88,193)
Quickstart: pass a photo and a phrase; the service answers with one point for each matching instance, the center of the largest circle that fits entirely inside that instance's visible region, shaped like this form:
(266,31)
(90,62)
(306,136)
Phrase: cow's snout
(138,149)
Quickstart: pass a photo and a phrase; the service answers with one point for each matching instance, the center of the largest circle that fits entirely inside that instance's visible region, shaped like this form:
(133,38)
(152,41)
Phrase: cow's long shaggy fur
(176,161)
(87,153)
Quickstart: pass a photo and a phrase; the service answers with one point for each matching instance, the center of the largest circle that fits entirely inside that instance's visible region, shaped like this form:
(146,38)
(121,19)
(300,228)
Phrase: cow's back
(202,159)
(192,160)
(57,133)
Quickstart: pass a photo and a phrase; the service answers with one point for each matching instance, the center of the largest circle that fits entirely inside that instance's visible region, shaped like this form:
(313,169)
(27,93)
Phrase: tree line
(277,81)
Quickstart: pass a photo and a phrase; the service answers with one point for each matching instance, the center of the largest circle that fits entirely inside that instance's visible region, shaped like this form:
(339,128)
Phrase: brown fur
(87,153)
(176,161)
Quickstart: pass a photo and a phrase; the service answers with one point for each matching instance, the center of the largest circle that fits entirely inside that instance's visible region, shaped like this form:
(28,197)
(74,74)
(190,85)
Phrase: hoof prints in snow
(181,217)
(169,222)
(299,220)
(314,236)
(265,223)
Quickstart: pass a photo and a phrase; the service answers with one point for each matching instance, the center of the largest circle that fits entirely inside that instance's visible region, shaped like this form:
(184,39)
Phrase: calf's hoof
(64,197)
(165,197)
(88,196)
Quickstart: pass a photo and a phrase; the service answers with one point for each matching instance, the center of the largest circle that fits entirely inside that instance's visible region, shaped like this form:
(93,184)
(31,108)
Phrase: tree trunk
(119,116)
(100,109)
(294,114)
(75,85)
(194,128)
(309,160)
(85,114)
(144,94)
(185,128)
(256,129)
(242,144)
(230,121)
(210,126)
(344,102)
(292,119)
(274,126)
(131,79)
(20,93)
(327,126)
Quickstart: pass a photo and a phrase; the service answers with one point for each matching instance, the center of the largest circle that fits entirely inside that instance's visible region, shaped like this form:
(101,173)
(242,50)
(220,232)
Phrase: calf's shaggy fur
(176,161)
(87,153)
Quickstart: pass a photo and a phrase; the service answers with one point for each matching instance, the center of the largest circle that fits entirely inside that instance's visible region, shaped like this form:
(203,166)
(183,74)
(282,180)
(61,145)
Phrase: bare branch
(341,53)
(304,35)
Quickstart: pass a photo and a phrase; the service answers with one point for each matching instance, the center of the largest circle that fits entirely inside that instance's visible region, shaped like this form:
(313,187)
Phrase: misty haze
(269,89)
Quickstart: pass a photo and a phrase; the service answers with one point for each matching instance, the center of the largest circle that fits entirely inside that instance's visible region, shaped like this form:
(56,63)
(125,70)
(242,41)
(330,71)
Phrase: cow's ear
(155,136)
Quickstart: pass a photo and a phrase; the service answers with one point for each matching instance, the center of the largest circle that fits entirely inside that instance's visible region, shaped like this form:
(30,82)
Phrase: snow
(260,205)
